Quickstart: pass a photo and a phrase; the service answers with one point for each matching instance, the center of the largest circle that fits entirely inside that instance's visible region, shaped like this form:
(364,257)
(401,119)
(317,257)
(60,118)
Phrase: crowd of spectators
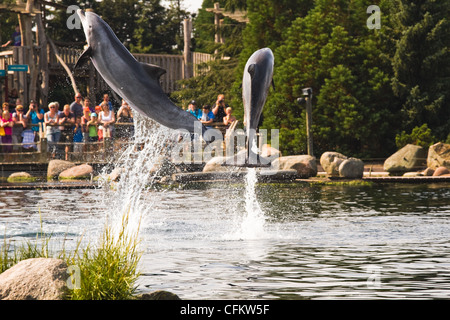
(75,127)
(219,112)
(67,129)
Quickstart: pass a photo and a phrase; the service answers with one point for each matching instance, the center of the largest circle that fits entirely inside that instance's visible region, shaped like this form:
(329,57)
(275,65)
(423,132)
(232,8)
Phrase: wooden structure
(46,59)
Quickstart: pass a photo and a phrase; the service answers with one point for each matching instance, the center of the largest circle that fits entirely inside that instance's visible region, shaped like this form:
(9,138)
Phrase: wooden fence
(173,64)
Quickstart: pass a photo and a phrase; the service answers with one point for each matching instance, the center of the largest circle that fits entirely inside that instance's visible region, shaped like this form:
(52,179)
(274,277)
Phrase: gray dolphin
(137,83)
(258,76)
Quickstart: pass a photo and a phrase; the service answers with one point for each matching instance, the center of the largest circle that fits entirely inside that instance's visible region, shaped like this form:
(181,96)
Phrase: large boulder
(305,165)
(34,279)
(408,158)
(330,162)
(55,167)
(351,168)
(439,155)
(83,171)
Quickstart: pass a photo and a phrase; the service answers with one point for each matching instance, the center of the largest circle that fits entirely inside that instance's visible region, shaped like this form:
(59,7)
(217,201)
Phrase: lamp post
(307,97)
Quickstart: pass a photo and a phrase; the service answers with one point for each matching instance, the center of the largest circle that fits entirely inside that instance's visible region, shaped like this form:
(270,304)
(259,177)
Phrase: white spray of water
(136,166)
(252,226)
(252,219)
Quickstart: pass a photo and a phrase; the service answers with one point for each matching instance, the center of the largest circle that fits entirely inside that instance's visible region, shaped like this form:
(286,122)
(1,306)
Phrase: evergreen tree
(421,63)
(332,51)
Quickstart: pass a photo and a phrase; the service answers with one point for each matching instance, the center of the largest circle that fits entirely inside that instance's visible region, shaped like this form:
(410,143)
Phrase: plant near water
(108,272)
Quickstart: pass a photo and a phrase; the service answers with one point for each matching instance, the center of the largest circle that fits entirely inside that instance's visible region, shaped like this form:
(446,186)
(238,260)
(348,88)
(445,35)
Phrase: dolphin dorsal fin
(153,70)
(84,57)
(252,69)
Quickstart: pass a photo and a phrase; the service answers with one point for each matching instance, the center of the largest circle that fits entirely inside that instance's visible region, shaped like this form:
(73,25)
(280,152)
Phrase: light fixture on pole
(307,97)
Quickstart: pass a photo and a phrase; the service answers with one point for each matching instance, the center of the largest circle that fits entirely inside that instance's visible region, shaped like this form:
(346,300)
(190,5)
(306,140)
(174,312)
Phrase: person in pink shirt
(7,123)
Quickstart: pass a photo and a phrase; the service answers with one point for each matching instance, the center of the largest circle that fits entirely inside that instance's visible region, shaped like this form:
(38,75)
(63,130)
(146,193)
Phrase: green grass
(108,271)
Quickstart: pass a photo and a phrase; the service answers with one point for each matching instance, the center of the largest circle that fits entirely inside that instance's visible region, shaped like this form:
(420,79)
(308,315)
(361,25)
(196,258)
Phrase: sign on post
(18,67)
(2,73)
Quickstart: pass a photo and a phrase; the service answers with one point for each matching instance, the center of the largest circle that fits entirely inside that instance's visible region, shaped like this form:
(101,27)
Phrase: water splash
(138,167)
(250,222)
(252,226)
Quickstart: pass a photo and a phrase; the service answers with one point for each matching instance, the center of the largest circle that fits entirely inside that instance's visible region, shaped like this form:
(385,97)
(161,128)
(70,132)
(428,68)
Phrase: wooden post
(187,49)
(217,22)
(309,124)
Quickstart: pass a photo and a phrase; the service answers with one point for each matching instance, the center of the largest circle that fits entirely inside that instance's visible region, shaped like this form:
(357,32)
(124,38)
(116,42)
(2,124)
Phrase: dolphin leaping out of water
(256,82)
(135,82)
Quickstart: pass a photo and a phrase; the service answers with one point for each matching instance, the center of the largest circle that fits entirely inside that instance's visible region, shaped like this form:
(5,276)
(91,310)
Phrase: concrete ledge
(263,176)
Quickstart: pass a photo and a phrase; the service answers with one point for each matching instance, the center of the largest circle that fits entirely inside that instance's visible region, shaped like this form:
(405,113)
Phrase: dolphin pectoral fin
(153,70)
(252,69)
(84,57)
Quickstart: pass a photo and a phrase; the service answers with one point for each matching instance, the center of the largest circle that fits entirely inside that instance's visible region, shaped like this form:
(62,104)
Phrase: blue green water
(386,241)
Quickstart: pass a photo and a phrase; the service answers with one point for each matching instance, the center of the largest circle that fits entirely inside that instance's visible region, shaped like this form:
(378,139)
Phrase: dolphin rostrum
(135,82)
(258,76)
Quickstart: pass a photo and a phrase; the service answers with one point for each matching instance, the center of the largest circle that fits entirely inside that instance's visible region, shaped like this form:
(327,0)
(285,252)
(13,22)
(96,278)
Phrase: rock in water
(439,155)
(34,279)
(55,167)
(305,165)
(330,162)
(408,158)
(351,168)
(82,171)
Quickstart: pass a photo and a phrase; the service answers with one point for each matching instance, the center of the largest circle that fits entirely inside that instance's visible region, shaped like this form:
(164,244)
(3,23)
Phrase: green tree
(332,51)
(421,63)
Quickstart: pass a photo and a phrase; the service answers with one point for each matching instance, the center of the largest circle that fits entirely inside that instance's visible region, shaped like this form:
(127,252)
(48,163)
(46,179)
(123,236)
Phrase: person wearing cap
(76,107)
(192,109)
(19,119)
(36,115)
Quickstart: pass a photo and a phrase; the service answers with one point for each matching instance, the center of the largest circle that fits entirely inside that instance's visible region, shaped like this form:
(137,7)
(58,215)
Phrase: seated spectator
(67,121)
(19,119)
(125,115)
(192,109)
(36,115)
(229,118)
(207,116)
(7,124)
(53,133)
(106,121)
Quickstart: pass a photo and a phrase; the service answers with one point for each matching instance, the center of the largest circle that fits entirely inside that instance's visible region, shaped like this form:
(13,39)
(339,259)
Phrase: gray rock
(34,279)
(330,162)
(305,165)
(439,156)
(55,167)
(158,295)
(351,168)
(408,158)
